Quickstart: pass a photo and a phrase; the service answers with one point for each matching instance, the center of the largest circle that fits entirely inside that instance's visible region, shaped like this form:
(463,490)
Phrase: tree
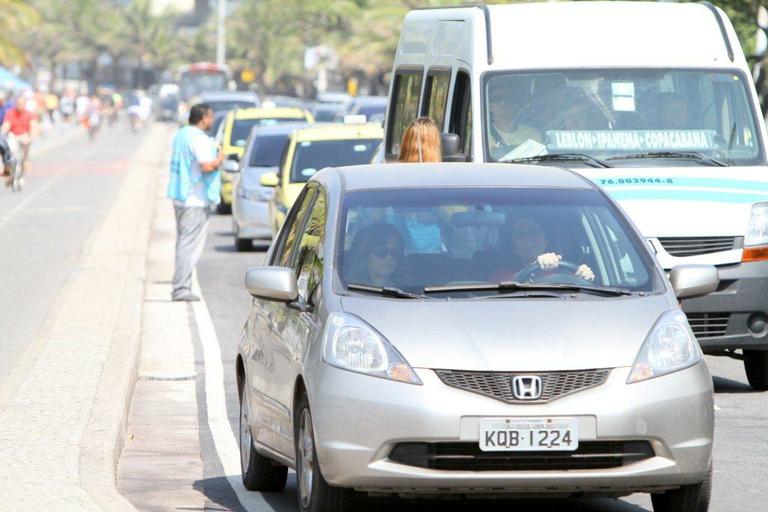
(15,17)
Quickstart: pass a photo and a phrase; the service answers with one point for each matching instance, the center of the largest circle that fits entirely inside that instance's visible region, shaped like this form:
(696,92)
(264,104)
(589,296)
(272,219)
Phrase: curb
(104,437)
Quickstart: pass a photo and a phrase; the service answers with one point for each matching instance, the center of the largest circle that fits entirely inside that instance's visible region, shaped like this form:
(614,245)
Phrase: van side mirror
(269,179)
(694,280)
(452,148)
(272,283)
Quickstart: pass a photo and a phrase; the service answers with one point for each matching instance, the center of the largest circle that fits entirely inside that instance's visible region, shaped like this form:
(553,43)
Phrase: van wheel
(756,365)
(315,495)
(688,498)
(259,472)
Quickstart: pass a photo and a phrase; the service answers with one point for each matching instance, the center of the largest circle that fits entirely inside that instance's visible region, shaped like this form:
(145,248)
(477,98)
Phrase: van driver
(506,131)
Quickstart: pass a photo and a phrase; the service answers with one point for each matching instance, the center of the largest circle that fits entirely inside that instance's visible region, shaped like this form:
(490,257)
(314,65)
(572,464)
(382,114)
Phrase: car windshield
(241,128)
(414,239)
(311,156)
(617,113)
(267,150)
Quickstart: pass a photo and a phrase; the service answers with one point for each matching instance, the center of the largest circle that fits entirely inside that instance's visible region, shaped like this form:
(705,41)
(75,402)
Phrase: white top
(203,150)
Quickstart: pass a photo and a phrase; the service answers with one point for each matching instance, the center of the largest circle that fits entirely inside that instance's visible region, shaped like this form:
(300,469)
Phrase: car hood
(513,334)
(250,177)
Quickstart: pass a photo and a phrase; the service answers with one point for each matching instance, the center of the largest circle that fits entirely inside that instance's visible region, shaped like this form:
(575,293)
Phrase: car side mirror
(694,280)
(230,166)
(269,179)
(452,148)
(272,283)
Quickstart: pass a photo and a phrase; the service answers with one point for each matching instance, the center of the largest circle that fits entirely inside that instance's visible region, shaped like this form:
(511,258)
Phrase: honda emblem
(526,387)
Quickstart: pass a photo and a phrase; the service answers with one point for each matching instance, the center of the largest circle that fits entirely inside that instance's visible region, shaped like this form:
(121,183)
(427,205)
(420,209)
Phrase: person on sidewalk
(194,187)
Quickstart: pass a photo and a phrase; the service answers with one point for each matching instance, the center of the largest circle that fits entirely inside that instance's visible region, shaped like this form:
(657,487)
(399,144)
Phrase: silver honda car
(462,329)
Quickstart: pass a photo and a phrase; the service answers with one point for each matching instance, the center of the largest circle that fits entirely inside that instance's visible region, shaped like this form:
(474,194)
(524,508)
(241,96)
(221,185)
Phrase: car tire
(688,498)
(243,244)
(259,473)
(756,366)
(314,493)
(223,208)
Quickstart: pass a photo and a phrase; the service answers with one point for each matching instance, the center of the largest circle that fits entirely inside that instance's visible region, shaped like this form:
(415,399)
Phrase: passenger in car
(376,255)
(526,243)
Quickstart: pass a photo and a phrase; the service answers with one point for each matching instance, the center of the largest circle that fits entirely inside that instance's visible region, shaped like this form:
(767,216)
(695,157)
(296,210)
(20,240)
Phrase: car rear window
(267,150)
(311,156)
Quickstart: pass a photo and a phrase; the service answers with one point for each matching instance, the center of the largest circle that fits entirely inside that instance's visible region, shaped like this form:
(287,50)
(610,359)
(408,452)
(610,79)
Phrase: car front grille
(498,385)
(694,246)
(708,325)
(468,456)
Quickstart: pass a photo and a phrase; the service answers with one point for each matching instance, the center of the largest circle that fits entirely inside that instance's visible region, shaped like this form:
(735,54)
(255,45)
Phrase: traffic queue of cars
(430,330)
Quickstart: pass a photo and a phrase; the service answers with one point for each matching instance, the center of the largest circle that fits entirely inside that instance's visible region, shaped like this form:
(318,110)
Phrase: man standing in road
(194,187)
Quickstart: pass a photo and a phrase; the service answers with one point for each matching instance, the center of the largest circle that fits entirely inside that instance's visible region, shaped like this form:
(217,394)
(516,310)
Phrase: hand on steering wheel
(551,261)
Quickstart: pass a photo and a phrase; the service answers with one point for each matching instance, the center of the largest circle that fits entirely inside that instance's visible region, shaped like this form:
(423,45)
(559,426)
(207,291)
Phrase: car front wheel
(315,495)
(259,472)
(688,498)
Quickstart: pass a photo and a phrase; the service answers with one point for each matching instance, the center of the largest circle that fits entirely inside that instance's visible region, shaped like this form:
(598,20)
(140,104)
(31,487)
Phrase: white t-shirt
(203,150)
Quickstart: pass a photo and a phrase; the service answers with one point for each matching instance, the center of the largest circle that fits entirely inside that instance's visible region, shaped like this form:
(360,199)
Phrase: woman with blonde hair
(421,142)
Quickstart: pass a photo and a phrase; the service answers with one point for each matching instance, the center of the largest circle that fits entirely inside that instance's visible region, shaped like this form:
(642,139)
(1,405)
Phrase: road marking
(215,398)
(24,202)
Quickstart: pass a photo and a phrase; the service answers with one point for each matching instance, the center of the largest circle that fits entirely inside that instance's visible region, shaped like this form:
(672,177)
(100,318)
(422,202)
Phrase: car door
(302,324)
(265,357)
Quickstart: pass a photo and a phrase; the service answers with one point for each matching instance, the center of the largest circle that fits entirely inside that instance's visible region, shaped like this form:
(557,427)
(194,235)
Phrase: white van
(652,101)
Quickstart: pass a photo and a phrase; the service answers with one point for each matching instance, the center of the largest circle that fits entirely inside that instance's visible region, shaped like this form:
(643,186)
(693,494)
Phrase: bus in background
(195,79)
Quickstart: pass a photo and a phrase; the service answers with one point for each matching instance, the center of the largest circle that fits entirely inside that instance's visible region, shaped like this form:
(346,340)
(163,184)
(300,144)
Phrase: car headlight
(669,347)
(351,344)
(757,233)
(257,194)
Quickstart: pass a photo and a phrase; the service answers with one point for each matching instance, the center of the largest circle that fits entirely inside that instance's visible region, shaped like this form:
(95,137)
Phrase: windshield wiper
(560,157)
(515,286)
(691,155)
(386,291)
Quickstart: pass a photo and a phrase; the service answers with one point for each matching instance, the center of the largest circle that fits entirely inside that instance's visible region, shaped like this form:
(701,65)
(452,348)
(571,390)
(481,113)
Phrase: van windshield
(414,239)
(622,113)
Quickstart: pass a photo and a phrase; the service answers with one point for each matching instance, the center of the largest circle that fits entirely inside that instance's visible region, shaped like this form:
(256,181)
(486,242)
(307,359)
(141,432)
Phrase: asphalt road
(741,444)
(44,229)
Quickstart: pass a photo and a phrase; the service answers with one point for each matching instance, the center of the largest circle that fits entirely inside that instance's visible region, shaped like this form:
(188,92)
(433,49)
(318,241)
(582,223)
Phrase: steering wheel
(534,270)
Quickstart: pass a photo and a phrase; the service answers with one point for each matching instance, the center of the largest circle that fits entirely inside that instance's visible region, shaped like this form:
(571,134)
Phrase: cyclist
(23,125)
(7,159)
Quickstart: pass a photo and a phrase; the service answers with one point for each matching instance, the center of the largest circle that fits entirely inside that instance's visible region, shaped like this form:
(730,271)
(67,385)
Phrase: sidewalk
(62,429)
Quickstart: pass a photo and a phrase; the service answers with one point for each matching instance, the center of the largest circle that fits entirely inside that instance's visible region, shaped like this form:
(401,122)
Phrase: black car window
(267,149)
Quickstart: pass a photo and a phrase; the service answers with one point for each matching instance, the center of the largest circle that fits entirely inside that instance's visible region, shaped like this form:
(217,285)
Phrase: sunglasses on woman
(383,252)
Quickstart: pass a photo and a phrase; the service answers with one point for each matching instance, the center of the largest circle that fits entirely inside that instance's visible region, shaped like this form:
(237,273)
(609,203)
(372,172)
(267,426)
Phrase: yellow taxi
(234,131)
(311,149)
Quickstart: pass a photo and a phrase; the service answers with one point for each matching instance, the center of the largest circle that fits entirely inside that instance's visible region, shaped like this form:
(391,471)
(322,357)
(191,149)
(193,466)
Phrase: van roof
(576,34)
(438,175)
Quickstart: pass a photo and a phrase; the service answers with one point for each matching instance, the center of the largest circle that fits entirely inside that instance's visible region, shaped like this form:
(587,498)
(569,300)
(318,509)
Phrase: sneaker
(186,298)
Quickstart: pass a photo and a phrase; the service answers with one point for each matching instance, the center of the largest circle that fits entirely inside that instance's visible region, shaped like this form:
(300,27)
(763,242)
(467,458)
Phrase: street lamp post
(221,32)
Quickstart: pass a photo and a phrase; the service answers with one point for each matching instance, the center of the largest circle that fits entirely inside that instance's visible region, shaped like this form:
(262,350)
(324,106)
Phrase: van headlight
(757,233)
(669,347)
(351,344)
